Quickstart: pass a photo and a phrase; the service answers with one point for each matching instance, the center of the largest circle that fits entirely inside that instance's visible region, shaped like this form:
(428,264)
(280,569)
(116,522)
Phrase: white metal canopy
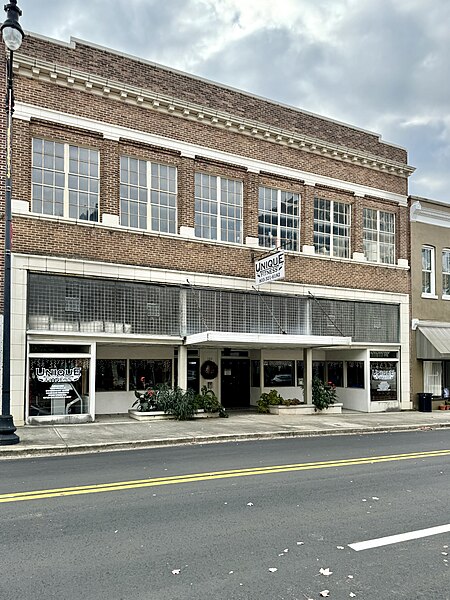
(260,340)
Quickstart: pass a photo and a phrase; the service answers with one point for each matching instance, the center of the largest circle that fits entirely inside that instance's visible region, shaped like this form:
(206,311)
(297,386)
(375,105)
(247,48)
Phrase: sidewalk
(122,433)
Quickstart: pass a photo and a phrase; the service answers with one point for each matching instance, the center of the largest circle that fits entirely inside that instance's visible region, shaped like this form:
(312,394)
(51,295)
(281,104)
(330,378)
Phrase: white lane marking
(401,537)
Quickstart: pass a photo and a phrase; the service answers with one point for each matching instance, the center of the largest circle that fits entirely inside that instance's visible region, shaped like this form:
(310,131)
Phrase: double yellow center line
(159,481)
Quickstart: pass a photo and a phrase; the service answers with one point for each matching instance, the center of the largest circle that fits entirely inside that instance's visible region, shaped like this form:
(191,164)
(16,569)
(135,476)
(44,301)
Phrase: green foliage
(267,399)
(323,394)
(146,400)
(291,402)
(207,400)
(177,402)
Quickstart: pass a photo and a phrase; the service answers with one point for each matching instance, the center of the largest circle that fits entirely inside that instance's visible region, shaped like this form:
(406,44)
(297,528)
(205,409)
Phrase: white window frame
(334,235)
(281,197)
(90,356)
(153,198)
(431,272)
(218,218)
(64,175)
(446,273)
(432,377)
(376,242)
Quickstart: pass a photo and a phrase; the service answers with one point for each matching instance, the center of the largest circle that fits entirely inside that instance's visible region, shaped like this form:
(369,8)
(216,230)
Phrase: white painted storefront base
(304,409)
(60,419)
(159,415)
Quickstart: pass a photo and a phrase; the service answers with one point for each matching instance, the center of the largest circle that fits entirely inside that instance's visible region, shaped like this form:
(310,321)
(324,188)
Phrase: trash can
(425,401)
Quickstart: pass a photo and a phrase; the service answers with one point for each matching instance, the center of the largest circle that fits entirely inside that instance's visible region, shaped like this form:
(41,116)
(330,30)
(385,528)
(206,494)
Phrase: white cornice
(90,268)
(115,132)
(430,216)
(93,84)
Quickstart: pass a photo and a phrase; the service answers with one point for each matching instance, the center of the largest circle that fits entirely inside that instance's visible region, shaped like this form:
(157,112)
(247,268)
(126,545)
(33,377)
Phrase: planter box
(159,415)
(304,409)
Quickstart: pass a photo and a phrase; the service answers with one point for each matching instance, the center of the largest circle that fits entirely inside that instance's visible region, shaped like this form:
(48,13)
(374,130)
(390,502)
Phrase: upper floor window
(65,180)
(218,208)
(428,271)
(331,228)
(279,219)
(148,198)
(379,236)
(446,272)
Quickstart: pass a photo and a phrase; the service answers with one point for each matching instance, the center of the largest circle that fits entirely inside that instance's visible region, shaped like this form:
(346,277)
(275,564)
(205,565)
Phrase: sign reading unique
(58,375)
(270,268)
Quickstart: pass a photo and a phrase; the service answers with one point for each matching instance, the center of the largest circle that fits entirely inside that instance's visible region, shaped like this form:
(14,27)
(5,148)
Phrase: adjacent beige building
(430,297)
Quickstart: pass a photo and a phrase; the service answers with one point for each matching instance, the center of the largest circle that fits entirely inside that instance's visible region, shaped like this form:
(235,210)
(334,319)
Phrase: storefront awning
(433,342)
(261,340)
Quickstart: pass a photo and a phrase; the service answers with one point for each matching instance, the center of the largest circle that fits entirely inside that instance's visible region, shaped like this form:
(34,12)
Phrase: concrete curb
(16,452)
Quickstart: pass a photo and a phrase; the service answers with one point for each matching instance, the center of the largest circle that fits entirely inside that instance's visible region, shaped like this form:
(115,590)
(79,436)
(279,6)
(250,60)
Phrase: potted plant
(323,394)
(207,400)
(446,398)
(267,399)
(445,406)
(145,401)
(165,402)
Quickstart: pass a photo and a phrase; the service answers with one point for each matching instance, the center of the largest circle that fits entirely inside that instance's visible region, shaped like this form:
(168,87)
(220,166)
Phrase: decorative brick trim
(93,84)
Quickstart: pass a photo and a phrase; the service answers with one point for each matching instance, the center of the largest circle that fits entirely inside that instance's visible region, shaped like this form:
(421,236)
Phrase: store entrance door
(235,382)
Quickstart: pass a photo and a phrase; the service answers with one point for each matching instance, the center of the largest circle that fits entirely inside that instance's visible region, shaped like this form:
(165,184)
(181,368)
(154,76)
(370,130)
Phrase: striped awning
(433,342)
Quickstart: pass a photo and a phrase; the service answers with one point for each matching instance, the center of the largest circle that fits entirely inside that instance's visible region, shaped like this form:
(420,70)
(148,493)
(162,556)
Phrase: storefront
(90,342)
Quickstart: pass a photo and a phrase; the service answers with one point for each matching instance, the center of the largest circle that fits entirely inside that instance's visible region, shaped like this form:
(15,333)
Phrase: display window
(383,381)
(335,372)
(279,373)
(58,386)
(355,374)
(144,373)
(110,375)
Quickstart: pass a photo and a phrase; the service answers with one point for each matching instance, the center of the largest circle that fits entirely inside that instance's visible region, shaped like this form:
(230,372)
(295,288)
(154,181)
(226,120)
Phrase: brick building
(143,197)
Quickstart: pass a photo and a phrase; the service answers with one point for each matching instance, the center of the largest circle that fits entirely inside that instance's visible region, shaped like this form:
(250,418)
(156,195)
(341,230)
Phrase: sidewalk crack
(62,439)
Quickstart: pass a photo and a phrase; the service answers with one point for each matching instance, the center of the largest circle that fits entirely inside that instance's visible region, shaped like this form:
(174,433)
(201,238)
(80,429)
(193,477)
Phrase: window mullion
(378,236)
(331,227)
(218,205)
(278,240)
(66,180)
(148,183)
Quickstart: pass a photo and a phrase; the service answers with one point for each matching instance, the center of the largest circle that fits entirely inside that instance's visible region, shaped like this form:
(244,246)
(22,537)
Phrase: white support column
(92,372)
(307,375)
(261,372)
(182,367)
(183,311)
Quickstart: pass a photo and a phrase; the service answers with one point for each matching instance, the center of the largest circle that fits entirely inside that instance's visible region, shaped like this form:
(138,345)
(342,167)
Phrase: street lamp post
(12,36)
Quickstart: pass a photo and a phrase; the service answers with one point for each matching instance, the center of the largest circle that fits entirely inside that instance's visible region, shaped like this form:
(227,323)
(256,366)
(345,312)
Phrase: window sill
(430,296)
(445,297)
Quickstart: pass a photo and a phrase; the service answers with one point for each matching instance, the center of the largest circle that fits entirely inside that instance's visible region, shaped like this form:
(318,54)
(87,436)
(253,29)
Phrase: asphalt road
(255,535)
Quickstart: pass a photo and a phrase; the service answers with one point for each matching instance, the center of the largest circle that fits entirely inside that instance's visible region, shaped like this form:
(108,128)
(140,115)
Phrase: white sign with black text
(270,268)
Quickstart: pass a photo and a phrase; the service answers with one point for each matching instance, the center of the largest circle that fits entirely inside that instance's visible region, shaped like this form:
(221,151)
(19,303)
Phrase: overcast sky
(381,65)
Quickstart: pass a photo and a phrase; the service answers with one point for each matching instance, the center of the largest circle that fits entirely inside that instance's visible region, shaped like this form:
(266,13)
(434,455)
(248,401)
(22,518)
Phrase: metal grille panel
(58,303)
(88,305)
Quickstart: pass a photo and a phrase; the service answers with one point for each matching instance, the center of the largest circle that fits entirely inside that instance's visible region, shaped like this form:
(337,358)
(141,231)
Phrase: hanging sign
(270,268)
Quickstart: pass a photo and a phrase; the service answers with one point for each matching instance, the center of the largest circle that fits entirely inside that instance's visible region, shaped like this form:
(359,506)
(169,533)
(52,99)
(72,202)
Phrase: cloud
(380,66)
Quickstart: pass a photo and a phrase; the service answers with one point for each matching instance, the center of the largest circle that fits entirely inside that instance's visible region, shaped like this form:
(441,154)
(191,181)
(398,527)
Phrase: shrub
(207,400)
(146,400)
(291,402)
(176,402)
(267,399)
(323,394)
